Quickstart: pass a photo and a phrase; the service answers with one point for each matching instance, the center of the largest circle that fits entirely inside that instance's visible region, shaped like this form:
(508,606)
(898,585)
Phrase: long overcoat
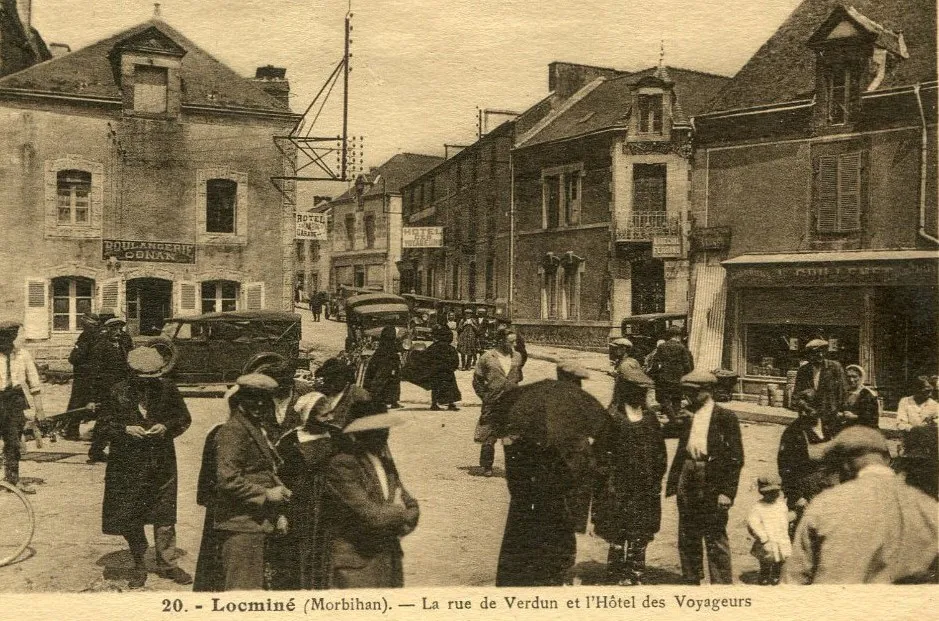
(83,389)
(364,526)
(140,480)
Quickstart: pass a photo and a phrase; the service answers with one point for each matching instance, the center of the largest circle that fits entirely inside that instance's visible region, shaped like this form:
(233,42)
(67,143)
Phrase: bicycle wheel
(17,523)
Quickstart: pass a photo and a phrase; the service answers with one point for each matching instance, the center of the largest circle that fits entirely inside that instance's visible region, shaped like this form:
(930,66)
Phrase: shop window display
(774,350)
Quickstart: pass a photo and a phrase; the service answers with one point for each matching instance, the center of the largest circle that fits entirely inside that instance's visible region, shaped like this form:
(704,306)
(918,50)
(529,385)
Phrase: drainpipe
(922,170)
(511,234)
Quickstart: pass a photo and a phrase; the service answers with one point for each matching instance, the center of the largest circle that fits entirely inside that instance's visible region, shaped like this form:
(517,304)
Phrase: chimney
(59,49)
(25,10)
(565,79)
(272,80)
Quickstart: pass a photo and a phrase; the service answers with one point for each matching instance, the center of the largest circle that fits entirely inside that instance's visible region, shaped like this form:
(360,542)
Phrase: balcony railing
(645,226)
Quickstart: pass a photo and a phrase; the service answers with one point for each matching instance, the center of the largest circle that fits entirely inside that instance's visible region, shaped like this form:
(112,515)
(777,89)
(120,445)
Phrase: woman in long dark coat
(383,375)
(141,418)
(442,361)
(633,461)
(300,558)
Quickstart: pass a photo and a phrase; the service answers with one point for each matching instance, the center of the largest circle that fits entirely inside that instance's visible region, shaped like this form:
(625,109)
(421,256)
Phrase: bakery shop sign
(148,251)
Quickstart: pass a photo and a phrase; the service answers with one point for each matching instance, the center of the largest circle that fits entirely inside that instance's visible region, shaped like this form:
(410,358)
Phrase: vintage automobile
(367,315)
(214,348)
(337,309)
(645,330)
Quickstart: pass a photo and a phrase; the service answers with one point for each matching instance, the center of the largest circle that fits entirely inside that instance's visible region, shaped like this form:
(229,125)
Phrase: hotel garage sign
(148,251)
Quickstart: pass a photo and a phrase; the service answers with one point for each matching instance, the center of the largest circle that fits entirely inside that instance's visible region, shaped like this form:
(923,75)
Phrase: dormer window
(839,94)
(150,89)
(650,114)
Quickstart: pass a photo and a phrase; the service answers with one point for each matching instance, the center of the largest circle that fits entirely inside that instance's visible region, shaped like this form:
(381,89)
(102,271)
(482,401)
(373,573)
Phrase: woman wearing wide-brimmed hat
(141,417)
(368,509)
(633,461)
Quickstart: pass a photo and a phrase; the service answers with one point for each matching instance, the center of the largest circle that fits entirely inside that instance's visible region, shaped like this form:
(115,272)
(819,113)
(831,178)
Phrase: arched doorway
(149,305)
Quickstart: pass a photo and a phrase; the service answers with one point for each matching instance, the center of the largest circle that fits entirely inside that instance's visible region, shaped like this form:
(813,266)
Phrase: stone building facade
(814,200)
(138,179)
(601,205)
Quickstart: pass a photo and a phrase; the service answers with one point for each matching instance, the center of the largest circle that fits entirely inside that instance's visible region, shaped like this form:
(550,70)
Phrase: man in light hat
(671,362)
(141,418)
(872,528)
(705,473)
(623,364)
(241,490)
(498,372)
(826,377)
(368,509)
(18,374)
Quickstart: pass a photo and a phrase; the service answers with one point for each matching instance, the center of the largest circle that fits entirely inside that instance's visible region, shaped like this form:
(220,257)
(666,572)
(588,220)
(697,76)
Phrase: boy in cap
(141,418)
(18,374)
(705,473)
(768,524)
(872,528)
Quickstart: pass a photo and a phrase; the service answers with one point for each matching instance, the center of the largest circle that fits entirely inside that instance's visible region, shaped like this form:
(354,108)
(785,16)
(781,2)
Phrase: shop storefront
(878,309)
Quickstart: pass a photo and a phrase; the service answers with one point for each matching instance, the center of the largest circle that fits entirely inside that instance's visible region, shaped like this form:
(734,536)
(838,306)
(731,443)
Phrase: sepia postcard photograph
(469,309)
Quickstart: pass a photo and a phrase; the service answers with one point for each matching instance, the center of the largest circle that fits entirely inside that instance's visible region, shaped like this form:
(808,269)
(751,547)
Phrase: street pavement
(462,513)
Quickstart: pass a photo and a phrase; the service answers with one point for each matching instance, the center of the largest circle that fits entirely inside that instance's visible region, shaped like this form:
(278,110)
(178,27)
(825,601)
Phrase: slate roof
(88,72)
(783,69)
(608,104)
(394,174)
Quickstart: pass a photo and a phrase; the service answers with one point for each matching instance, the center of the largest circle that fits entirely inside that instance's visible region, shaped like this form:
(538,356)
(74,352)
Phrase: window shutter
(827,191)
(36,317)
(187,298)
(575,204)
(254,296)
(849,192)
(110,295)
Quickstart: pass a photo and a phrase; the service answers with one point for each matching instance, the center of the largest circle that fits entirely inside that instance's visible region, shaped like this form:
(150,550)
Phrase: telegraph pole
(345,97)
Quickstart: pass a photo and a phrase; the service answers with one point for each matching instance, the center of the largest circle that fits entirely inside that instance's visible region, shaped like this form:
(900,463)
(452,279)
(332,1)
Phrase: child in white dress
(768,524)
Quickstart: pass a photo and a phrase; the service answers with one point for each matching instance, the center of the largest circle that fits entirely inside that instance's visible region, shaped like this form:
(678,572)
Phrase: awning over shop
(849,268)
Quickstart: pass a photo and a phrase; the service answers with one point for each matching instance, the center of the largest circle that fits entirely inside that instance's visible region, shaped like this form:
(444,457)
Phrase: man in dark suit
(826,377)
(247,492)
(704,474)
(669,364)
(368,509)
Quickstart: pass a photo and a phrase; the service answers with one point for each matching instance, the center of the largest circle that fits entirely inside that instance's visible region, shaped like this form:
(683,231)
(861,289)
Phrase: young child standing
(768,523)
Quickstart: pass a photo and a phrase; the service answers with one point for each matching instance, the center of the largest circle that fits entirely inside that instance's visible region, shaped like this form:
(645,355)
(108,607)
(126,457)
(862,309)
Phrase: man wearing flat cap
(826,377)
(671,361)
(18,375)
(872,528)
(704,474)
(108,359)
(141,418)
(241,490)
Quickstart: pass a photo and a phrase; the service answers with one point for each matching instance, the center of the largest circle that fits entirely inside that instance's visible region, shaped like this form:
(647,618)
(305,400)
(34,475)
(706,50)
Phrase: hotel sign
(148,251)
(921,272)
(422,237)
(311,226)
(666,247)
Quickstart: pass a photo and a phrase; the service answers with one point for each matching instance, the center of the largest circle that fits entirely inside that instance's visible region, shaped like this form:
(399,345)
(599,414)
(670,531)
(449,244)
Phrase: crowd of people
(301,492)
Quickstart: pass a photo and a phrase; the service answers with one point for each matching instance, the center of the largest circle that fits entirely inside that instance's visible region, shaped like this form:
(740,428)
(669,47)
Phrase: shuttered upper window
(838,192)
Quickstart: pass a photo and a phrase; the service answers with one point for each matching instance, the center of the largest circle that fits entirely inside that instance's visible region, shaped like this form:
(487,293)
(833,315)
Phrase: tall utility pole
(345,97)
